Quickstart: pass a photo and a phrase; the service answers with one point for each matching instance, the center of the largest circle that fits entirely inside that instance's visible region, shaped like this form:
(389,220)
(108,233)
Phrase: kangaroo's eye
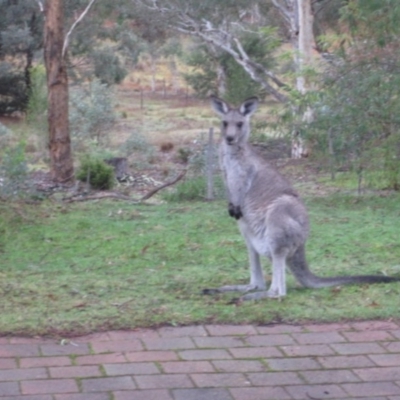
(239,124)
(225,124)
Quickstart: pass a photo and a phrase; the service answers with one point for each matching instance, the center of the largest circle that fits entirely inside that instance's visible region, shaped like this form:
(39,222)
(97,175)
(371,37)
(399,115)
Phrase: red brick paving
(359,360)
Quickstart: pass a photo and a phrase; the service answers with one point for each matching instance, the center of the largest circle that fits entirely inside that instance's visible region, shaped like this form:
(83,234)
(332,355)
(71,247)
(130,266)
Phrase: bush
(139,150)
(108,67)
(14,93)
(189,190)
(195,189)
(95,171)
(14,173)
(37,103)
(91,112)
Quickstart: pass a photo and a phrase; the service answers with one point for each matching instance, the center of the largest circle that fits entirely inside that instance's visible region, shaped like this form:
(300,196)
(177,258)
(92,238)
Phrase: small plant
(37,102)
(195,189)
(184,154)
(91,113)
(189,190)
(97,173)
(14,180)
(139,151)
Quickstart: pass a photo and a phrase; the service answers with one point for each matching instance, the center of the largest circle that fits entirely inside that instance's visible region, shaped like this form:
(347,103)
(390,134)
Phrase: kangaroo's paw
(235,211)
(231,288)
(272,294)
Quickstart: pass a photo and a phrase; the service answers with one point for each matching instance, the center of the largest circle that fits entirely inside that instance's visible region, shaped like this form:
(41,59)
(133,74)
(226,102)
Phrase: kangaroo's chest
(235,172)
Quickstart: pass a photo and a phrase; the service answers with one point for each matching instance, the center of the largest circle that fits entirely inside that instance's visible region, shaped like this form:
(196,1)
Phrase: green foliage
(215,71)
(356,110)
(203,78)
(14,172)
(139,149)
(91,113)
(107,66)
(21,32)
(191,189)
(194,189)
(184,154)
(13,90)
(37,103)
(374,20)
(96,172)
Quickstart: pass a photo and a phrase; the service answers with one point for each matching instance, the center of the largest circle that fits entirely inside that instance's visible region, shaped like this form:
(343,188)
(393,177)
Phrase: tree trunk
(304,44)
(61,163)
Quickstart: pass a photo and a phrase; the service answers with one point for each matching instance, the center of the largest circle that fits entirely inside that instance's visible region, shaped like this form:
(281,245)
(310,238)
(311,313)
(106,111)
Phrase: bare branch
(78,20)
(252,68)
(40,4)
(283,9)
(157,189)
(222,39)
(289,12)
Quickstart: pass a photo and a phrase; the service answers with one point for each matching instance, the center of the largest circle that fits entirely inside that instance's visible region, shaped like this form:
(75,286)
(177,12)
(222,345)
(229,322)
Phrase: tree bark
(306,42)
(298,16)
(61,163)
(304,58)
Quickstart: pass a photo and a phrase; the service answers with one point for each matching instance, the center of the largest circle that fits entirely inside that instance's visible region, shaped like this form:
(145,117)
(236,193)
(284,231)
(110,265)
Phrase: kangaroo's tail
(299,267)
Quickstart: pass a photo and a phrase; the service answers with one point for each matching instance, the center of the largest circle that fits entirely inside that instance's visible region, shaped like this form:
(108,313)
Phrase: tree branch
(78,20)
(284,10)
(157,189)
(251,67)
(222,39)
(40,4)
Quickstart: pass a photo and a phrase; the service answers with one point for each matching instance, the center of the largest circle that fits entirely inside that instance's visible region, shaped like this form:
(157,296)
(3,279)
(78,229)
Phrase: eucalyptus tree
(56,43)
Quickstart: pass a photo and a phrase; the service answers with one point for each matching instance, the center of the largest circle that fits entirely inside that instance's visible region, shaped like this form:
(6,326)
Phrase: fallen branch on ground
(157,189)
(113,195)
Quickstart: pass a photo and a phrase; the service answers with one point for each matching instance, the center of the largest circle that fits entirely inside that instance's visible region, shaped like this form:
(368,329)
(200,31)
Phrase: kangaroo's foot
(272,294)
(232,288)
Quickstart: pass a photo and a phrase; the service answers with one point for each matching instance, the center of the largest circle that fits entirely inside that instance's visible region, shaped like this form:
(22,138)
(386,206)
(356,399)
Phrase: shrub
(189,190)
(139,151)
(37,102)
(91,112)
(108,67)
(95,171)
(194,189)
(14,173)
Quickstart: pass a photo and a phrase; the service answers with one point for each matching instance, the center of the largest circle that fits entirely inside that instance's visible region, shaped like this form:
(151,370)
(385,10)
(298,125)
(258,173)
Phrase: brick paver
(355,360)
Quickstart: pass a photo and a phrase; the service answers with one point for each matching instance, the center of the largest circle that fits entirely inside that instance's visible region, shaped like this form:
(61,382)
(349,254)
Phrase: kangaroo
(271,216)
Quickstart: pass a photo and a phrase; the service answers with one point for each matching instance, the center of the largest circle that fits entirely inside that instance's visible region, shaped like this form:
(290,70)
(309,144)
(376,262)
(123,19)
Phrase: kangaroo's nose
(230,139)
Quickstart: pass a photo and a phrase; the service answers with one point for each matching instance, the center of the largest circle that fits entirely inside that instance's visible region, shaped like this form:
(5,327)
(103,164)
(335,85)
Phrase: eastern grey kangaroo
(272,218)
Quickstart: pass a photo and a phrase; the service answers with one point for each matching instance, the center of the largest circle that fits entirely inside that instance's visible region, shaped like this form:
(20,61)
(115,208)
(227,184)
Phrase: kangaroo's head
(235,126)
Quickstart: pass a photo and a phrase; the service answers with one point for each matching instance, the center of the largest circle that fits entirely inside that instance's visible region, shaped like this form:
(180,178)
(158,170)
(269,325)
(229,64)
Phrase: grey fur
(271,216)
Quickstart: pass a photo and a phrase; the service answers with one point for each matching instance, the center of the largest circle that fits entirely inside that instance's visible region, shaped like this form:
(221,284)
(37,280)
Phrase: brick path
(335,361)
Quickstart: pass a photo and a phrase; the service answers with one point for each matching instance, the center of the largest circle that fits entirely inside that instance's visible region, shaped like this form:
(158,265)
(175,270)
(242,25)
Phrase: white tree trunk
(306,42)
(304,51)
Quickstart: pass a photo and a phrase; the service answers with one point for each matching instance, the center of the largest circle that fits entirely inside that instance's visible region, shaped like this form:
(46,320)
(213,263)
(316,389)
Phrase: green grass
(113,265)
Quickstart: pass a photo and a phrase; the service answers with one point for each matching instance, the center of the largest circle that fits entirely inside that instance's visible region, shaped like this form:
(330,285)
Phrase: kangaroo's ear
(219,106)
(249,106)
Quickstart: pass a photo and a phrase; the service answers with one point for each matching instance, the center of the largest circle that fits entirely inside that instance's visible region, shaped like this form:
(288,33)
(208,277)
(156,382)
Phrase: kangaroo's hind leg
(278,284)
(257,281)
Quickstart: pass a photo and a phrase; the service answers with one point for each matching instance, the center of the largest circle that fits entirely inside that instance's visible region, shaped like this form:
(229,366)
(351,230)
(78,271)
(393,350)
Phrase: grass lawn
(73,269)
